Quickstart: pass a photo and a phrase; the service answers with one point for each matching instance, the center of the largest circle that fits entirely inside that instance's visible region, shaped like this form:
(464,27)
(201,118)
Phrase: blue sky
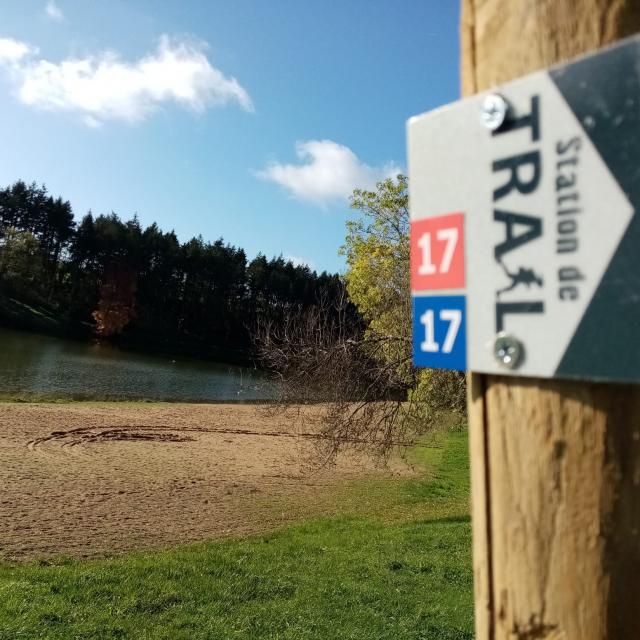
(249,120)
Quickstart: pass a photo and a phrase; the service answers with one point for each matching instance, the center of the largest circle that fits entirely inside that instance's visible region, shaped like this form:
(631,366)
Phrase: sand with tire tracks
(95,479)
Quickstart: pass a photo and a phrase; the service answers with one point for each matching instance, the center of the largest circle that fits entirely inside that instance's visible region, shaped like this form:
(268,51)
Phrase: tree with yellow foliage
(377,279)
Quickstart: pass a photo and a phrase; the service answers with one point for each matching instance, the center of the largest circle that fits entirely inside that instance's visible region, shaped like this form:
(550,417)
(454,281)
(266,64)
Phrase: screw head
(508,351)
(494,111)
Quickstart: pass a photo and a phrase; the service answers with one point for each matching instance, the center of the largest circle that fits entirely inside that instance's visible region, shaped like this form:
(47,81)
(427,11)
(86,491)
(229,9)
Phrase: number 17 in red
(437,253)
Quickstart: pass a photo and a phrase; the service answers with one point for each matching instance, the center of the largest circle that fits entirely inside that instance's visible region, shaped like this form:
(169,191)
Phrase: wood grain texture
(555,464)
(504,39)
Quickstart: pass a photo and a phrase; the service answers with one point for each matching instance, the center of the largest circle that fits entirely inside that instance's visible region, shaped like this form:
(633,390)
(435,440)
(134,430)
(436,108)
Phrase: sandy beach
(87,479)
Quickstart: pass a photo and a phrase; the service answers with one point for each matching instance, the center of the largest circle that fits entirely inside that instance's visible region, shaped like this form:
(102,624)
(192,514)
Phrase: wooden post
(555,464)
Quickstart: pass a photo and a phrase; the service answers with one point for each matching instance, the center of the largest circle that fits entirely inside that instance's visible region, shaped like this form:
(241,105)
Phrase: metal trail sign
(525,236)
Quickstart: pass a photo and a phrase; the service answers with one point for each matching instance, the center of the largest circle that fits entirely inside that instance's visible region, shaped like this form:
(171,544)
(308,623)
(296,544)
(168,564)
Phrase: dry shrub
(375,400)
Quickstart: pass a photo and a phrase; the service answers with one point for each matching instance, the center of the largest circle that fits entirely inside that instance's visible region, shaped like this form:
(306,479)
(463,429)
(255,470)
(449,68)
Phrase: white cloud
(300,262)
(104,87)
(328,172)
(53,11)
(13,52)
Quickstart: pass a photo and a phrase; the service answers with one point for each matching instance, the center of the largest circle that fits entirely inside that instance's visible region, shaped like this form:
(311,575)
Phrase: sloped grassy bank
(396,563)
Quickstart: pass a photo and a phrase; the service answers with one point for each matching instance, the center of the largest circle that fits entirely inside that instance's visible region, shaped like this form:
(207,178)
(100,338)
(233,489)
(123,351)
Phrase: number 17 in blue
(439,332)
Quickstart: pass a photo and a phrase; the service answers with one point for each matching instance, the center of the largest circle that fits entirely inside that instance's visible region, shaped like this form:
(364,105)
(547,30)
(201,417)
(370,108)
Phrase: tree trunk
(555,464)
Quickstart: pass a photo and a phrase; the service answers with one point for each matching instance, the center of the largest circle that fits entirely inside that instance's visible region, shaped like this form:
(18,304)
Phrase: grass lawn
(396,564)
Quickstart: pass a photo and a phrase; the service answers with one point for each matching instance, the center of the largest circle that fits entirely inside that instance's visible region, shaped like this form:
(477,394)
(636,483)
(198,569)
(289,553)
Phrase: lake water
(38,365)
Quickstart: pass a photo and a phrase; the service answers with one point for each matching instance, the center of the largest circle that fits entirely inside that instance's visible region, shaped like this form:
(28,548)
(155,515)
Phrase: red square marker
(437,253)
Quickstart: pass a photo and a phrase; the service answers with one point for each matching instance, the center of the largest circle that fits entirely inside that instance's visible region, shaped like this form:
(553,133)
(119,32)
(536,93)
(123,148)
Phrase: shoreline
(19,316)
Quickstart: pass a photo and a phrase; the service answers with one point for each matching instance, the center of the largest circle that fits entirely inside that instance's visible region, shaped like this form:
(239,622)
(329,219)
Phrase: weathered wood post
(555,464)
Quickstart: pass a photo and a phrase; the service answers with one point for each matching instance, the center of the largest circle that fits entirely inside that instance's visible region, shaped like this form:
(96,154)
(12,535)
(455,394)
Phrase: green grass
(398,566)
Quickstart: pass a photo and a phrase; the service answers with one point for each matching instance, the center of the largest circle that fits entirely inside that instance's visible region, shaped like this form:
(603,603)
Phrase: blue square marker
(440,332)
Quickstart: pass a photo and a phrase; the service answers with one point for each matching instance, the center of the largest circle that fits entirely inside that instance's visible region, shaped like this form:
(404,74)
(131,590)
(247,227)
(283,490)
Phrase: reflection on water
(44,366)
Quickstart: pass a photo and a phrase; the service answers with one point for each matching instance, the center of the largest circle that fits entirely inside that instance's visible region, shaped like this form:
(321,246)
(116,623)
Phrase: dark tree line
(143,285)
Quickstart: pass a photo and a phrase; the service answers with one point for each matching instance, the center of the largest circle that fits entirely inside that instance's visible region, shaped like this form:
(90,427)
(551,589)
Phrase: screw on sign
(509,351)
(494,111)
